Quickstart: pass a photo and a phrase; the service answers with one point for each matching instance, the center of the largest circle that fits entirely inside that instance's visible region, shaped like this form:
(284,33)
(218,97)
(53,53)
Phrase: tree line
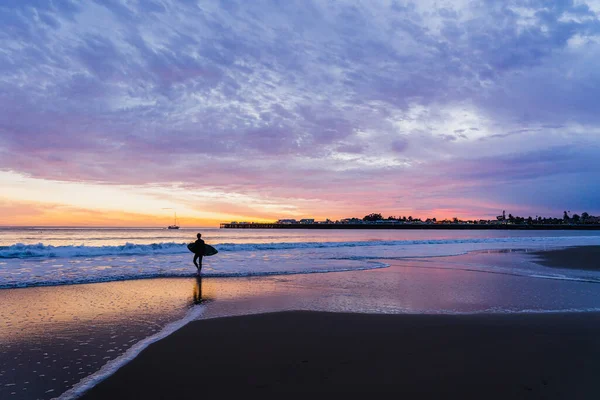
(584,218)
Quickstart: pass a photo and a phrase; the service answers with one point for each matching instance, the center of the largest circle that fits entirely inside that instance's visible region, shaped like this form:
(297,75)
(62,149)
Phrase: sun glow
(26,201)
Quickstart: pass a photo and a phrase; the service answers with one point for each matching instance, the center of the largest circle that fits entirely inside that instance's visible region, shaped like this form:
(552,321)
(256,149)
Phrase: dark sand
(581,257)
(534,356)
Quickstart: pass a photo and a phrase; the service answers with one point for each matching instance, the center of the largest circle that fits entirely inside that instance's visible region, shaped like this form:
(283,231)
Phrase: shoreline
(586,258)
(408,293)
(260,225)
(552,356)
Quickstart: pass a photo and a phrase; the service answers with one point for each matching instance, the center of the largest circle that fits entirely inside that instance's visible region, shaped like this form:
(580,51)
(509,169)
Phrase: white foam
(85,264)
(40,250)
(113,365)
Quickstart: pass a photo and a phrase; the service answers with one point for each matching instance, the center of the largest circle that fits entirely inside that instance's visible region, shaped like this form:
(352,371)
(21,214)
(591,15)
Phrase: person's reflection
(198,290)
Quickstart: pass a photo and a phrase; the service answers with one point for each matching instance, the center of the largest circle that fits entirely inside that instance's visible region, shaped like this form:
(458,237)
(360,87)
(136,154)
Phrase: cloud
(400,145)
(298,99)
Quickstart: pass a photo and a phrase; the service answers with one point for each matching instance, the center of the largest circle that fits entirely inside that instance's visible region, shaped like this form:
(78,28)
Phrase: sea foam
(23,265)
(40,250)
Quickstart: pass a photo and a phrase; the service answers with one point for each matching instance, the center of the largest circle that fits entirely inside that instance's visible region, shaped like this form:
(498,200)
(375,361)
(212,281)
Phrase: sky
(123,112)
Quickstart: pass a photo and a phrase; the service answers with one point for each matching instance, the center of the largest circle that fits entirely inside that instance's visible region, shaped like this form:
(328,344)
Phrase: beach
(419,313)
(583,258)
(554,355)
(420,356)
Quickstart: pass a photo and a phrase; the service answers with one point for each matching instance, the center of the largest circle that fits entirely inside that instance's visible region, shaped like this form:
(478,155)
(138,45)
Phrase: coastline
(104,321)
(548,227)
(551,356)
(585,258)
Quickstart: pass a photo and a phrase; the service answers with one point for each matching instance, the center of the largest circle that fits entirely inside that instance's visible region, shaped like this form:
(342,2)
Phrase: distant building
(327,221)
(351,221)
(287,221)
(307,221)
(592,220)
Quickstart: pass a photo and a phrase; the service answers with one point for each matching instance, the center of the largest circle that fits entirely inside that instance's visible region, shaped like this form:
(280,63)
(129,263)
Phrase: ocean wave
(40,250)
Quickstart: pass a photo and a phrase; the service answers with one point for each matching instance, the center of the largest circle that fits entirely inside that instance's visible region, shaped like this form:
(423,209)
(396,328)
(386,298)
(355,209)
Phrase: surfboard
(208,249)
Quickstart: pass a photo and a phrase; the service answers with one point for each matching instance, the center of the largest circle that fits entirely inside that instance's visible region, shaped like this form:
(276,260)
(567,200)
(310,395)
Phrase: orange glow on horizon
(27,201)
(40,214)
(82,218)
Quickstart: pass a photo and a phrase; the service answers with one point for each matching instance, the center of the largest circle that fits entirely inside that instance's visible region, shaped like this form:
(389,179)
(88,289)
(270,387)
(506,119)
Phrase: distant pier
(260,225)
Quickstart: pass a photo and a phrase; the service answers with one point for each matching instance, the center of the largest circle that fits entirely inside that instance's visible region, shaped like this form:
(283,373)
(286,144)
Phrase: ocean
(78,303)
(65,256)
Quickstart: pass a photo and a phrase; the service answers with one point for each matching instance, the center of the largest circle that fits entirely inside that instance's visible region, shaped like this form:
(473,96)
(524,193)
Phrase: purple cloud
(115,92)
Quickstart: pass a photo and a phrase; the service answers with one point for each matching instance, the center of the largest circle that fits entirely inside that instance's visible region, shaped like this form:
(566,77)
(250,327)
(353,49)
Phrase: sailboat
(174,226)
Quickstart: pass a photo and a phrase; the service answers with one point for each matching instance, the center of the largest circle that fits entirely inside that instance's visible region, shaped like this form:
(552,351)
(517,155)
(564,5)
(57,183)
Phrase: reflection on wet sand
(52,337)
(198,296)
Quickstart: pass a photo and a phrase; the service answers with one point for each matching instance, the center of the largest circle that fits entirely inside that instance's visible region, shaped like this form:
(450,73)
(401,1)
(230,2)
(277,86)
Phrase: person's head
(199,235)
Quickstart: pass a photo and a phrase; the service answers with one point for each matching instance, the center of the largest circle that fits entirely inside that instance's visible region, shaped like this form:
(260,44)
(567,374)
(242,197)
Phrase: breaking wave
(40,250)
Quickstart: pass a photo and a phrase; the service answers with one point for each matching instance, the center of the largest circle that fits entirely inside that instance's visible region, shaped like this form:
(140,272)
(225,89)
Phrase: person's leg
(196,258)
(199,263)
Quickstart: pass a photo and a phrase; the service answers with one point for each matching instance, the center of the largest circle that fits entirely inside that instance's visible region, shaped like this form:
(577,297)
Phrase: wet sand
(352,348)
(581,257)
(491,356)
(550,356)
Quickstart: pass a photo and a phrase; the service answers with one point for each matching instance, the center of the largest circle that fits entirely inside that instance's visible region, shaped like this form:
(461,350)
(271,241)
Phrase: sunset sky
(120,112)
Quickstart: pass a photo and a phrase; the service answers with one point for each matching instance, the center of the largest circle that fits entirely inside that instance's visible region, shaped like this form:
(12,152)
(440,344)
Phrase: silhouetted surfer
(199,252)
